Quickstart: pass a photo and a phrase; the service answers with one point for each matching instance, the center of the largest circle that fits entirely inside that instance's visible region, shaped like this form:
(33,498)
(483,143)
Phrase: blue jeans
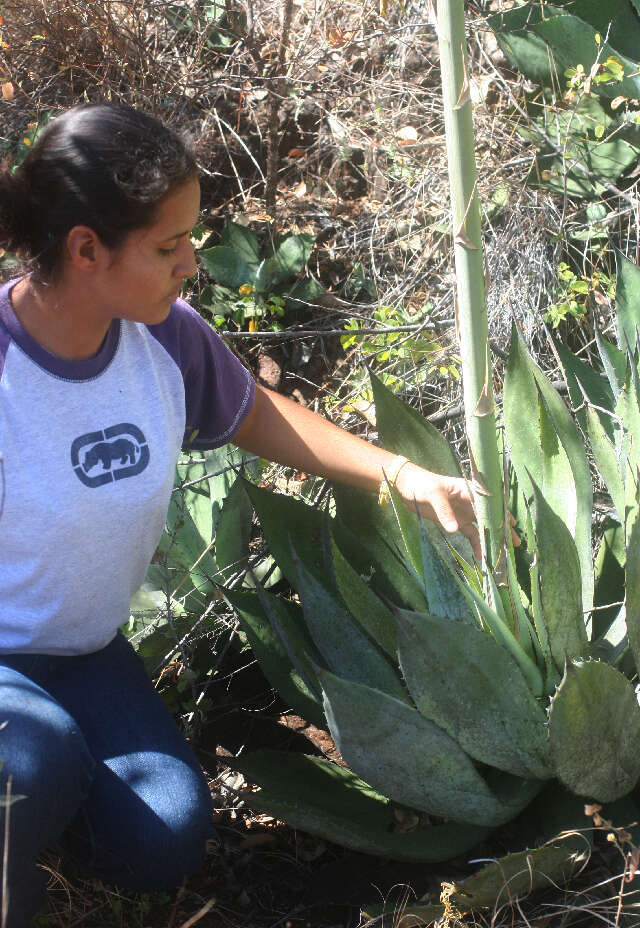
(103,768)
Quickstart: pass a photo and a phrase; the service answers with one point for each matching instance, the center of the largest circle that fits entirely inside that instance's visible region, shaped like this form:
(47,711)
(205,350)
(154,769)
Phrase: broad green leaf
(274,659)
(594,731)
(404,431)
(347,650)
(226,266)
(560,591)
(293,252)
(269,274)
(627,302)
(583,380)
(367,608)
(289,259)
(286,521)
(613,18)
(304,293)
(473,689)
(368,536)
(614,362)
(573,41)
(233,532)
(527,51)
(319,797)
(632,585)
(408,758)
(606,459)
(242,241)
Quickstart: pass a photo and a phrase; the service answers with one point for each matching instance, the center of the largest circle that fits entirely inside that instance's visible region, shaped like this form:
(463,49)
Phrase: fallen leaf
(338,38)
(407,134)
(7,91)
(296,152)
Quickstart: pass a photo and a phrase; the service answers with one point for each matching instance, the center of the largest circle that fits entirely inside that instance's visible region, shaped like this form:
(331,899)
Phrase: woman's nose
(187,266)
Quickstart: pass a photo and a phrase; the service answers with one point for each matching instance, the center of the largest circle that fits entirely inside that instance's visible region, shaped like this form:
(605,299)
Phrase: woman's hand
(446,500)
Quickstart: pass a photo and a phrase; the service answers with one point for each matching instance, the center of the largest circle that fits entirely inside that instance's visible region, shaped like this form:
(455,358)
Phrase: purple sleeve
(219,390)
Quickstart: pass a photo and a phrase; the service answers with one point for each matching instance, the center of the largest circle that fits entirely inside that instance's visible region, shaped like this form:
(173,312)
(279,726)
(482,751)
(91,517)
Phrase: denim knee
(47,768)
(44,754)
(162,816)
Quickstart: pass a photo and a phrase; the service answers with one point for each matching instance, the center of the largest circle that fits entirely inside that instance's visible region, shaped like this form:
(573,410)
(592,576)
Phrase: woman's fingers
(447,500)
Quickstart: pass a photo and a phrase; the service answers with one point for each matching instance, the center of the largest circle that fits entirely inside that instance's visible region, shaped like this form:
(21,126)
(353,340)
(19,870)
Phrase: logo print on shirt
(113,454)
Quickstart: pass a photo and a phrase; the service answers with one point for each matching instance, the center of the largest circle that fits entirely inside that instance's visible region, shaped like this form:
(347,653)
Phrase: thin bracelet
(389,479)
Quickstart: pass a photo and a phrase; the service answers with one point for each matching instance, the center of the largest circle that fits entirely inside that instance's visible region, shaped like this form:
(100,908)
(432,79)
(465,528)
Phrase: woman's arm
(281,430)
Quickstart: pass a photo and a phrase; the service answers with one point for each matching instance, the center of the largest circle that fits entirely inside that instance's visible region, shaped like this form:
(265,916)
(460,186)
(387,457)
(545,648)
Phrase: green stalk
(471,313)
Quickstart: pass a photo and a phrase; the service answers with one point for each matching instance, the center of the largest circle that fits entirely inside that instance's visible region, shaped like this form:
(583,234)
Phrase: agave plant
(451,689)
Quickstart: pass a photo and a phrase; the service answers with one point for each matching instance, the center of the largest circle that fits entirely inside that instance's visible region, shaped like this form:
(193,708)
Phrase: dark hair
(106,166)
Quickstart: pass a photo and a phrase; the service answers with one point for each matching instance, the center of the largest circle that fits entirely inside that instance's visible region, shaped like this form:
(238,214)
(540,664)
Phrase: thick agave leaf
(524,385)
(344,646)
(627,300)
(322,798)
(504,635)
(610,577)
(560,593)
(404,431)
(500,883)
(558,484)
(273,656)
(285,521)
(191,566)
(442,588)
(594,731)
(367,608)
(370,539)
(614,362)
(516,875)
(471,687)
(583,380)
(410,759)
(628,409)
(633,586)
(606,458)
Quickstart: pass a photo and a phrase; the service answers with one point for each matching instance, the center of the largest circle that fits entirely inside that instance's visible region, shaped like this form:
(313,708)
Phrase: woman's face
(145,274)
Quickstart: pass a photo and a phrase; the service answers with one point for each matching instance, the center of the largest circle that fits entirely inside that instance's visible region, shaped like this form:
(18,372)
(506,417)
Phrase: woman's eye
(168,251)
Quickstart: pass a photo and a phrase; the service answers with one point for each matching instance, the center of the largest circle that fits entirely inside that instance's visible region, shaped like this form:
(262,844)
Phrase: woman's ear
(84,249)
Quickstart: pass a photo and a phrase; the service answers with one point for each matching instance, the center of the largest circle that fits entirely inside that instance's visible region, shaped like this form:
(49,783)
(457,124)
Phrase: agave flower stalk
(471,314)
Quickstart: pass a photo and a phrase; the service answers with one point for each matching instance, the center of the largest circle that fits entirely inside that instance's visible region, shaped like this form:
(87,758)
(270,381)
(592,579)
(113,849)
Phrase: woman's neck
(59,318)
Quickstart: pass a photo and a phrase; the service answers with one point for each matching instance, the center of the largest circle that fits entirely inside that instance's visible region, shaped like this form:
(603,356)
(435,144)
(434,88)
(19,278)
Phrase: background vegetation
(320,135)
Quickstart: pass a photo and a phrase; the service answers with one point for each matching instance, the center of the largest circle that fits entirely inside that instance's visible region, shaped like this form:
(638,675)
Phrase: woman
(104,374)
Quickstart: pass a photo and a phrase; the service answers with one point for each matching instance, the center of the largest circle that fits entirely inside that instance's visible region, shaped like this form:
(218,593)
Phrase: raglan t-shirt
(89,450)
